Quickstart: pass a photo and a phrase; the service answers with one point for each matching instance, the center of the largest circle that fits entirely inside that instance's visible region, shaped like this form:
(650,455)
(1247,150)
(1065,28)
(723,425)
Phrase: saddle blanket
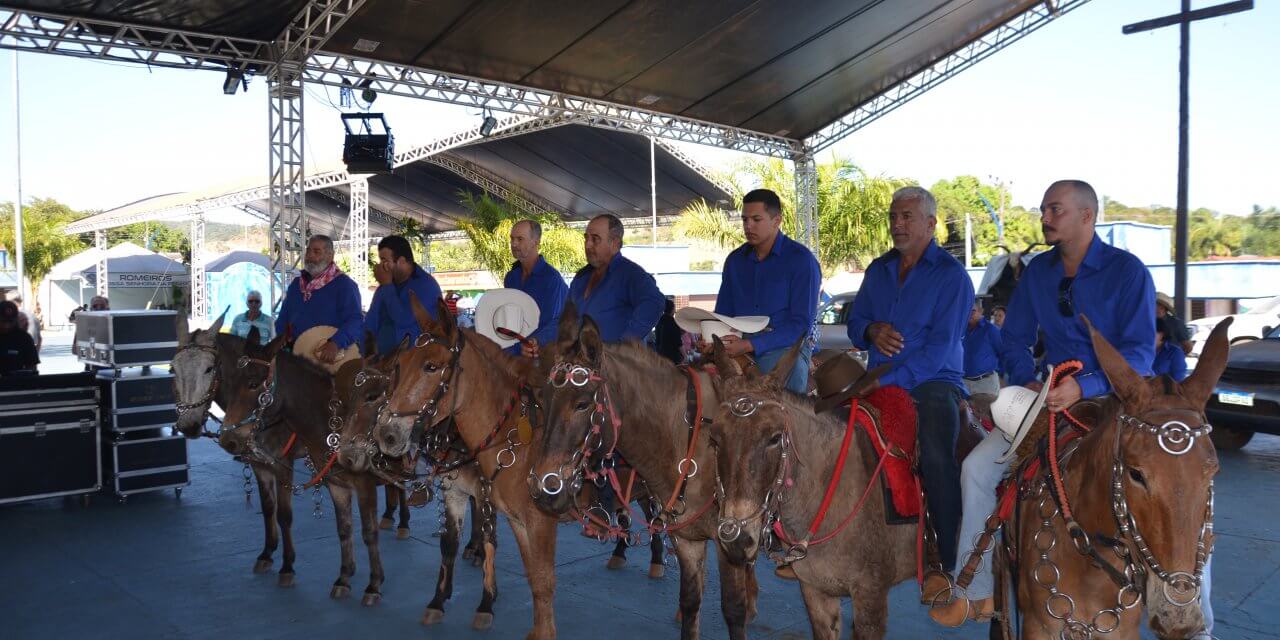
(894,434)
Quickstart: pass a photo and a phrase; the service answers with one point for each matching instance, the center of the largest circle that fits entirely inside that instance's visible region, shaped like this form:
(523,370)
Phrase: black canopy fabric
(771,66)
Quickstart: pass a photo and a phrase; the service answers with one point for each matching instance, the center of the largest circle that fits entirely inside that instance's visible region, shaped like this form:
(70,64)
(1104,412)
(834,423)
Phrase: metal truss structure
(100,243)
(199,281)
(358,231)
(949,66)
(806,172)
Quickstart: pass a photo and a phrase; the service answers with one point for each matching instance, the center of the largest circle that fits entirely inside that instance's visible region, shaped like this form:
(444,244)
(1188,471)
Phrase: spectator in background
(254,317)
(981,358)
(1179,333)
(17,349)
(99,303)
(668,335)
(997,316)
(1170,359)
(451,300)
(29,323)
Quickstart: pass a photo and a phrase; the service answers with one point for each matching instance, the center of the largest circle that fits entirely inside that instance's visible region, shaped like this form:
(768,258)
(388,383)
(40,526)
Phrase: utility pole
(17,203)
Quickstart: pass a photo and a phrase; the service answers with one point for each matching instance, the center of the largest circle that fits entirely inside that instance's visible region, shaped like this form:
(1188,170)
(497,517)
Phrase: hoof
(616,562)
(338,592)
(402,533)
(384,523)
(371,599)
(656,571)
(285,580)
(482,621)
(468,553)
(477,559)
(432,616)
(262,565)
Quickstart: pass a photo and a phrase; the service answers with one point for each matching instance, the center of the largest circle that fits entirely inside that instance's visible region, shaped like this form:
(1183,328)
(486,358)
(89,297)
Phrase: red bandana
(317,282)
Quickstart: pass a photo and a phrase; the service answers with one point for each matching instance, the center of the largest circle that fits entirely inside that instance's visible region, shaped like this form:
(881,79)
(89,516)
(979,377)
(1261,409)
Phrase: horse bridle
(425,416)
(182,408)
(728,529)
(572,474)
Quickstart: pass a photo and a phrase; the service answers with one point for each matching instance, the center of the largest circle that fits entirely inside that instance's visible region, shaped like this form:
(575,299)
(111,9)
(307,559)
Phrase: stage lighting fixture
(489,123)
(368,95)
(232,82)
(369,146)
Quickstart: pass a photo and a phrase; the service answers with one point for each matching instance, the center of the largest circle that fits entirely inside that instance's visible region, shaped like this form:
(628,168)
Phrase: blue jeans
(938,408)
(798,381)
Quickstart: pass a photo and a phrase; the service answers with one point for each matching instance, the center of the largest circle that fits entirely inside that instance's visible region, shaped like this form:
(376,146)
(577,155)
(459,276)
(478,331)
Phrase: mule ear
(1213,361)
(420,314)
(254,336)
(448,324)
(568,328)
(272,347)
(370,345)
(590,344)
(727,367)
(1128,385)
(217,324)
(782,371)
(183,329)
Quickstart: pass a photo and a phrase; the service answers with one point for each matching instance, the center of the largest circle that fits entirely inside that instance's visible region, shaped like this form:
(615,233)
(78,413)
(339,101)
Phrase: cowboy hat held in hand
(714,325)
(1014,413)
(510,309)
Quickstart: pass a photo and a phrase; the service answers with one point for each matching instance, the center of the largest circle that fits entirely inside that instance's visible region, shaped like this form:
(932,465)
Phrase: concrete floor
(160,567)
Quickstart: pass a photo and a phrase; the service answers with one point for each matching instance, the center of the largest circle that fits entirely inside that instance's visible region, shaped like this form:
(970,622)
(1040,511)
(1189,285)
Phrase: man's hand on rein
(1064,395)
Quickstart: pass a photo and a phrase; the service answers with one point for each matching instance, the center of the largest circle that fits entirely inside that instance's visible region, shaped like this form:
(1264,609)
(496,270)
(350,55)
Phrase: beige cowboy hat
(709,325)
(314,338)
(1163,300)
(510,309)
(1014,412)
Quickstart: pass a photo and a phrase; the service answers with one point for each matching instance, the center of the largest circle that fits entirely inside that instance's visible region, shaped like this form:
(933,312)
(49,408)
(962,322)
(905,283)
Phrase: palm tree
(489,230)
(1213,237)
(701,222)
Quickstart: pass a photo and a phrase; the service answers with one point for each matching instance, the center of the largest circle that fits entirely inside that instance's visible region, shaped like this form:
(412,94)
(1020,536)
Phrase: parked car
(1250,325)
(1247,399)
(833,318)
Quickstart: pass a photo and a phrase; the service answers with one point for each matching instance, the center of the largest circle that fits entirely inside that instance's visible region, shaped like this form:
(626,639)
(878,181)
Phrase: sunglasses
(1064,297)
(255,302)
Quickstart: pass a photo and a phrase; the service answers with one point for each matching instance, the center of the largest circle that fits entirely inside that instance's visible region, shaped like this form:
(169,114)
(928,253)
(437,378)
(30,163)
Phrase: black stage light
(232,82)
(369,147)
(489,123)
(368,95)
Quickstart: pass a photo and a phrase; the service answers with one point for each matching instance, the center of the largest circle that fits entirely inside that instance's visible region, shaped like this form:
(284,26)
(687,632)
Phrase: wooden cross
(1184,19)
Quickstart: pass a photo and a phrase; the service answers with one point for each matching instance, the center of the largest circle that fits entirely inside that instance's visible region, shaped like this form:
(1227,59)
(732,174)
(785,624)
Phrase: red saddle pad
(897,430)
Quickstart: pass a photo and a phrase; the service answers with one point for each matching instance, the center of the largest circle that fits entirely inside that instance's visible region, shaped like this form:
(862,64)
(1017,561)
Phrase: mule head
(1164,464)
(579,429)
(362,386)
(245,381)
(196,368)
(422,391)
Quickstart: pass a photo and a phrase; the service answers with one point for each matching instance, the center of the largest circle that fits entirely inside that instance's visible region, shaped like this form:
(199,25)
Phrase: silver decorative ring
(332,440)
(1181,578)
(542,484)
(743,407)
(579,376)
(729,530)
(1176,438)
(681,465)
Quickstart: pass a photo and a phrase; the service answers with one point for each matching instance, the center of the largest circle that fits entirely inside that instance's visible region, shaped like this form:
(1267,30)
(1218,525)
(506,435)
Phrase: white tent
(136,279)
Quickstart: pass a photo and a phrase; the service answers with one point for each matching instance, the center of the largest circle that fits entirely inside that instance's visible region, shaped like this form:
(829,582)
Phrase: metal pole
(17,204)
(653,188)
(1180,228)
(968,241)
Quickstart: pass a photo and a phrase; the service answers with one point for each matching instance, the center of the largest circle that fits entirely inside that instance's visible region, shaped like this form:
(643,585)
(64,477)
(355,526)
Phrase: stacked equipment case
(49,437)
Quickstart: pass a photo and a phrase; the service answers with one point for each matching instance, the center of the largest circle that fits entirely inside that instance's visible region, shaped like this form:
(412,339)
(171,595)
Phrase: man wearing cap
(533,275)
(391,318)
(322,296)
(17,349)
(981,357)
(622,299)
(774,276)
(910,314)
(1180,335)
(1080,275)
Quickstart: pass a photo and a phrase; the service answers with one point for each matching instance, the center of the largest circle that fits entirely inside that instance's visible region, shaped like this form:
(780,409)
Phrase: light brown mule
(775,459)
(1140,487)
(479,381)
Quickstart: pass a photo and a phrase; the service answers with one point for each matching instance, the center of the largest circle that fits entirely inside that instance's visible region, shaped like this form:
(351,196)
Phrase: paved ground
(161,567)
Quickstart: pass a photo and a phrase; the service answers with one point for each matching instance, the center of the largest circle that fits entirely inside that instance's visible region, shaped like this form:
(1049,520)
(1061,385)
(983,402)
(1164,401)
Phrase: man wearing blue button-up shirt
(981,357)
(391,318)
(532,275)
(1079,275)
(910,313)
(617,293)
(771,275)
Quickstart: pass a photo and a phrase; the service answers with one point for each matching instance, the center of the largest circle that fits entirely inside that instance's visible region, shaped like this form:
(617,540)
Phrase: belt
(976,378)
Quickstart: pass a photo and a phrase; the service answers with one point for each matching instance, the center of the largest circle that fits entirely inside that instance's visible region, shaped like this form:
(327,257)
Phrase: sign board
(466,280)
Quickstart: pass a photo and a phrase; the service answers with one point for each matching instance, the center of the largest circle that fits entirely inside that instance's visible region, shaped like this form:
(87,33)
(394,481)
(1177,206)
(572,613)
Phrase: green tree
(1213,236)
(155,236)
(489,230)
(44,239)
(703,223)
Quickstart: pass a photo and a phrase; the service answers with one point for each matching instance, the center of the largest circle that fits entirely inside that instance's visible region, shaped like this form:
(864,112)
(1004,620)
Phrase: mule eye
(430,367)
(776,440)
(1136,476)
(581,405)
(209,370)
(255,384)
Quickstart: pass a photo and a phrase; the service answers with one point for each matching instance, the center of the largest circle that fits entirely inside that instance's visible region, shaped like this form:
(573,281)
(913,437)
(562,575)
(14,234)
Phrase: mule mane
(501,362)
(634,356)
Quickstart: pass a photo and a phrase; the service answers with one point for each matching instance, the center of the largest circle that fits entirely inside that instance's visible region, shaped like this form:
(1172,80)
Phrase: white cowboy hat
(510,309)
(708,324)
(1014,412)
(312,339)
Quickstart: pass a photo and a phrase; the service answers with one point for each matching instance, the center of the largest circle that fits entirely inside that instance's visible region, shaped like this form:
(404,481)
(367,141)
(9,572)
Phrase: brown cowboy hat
(842,377)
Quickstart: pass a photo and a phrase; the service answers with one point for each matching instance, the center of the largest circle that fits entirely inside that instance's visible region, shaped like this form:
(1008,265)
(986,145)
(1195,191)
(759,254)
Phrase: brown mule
(1139,488)
(648,395)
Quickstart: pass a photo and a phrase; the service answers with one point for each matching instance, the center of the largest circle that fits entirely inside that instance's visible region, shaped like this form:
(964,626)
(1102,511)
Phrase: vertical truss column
(288,216)
(358,225)
(807,200)
(199,285)
(100,243)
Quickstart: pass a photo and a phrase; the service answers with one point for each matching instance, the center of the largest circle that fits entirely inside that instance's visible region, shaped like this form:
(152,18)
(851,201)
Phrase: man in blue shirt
(771,275)
(532,275)
(390,318)
(981,357)
(1079,275)
(322,296)
(910,313)
(1170,359)
(617,293)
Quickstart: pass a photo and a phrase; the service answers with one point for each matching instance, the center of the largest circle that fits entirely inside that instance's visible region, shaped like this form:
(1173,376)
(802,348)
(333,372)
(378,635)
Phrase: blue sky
(1075,99)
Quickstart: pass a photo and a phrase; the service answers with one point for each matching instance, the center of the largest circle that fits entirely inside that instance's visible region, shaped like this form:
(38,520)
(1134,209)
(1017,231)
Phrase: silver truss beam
(100,243)
(947,67)
(314,25)
(806,173)
(121,42)
(199,283)
(642,222)
(711,176)
(527,203)
(358,228)
(287,190)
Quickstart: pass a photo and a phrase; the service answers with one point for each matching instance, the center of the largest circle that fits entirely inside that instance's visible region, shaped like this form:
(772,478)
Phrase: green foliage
(703,223)
(44,239)
(960,196)
(154,236)
(489,231)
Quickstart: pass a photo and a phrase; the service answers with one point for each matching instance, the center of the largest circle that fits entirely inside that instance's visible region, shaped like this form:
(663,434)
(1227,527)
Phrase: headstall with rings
(182,408)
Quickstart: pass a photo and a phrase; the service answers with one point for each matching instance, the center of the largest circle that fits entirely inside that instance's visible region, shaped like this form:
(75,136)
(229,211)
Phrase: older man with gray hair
(322,295)
(911,314)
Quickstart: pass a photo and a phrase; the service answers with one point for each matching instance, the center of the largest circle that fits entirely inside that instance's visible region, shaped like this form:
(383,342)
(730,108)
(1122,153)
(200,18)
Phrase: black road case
(49,437)
(125,338)
(136,400)
(140,461)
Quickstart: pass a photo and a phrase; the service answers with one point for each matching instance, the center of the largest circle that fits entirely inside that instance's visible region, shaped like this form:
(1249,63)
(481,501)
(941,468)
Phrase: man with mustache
(622,299)
(1080,275)
(322,296)
(775,276)
(911,314)
(533,275)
